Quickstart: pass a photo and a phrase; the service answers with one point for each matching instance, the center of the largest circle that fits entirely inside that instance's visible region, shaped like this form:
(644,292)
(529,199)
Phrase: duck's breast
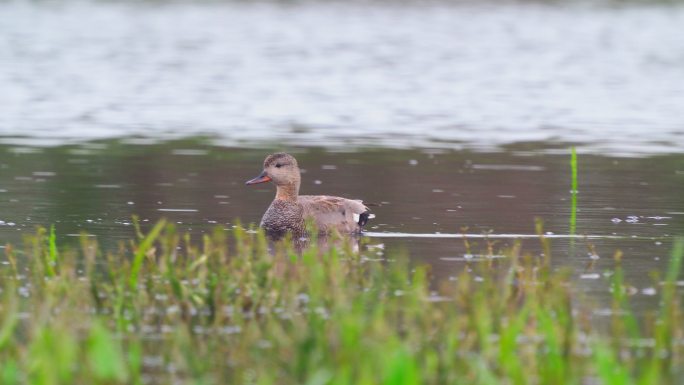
(283,216)
(333,213)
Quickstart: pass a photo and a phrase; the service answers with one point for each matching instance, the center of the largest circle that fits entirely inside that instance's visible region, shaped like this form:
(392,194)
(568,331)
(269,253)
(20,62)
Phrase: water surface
(339,74)
(423,198)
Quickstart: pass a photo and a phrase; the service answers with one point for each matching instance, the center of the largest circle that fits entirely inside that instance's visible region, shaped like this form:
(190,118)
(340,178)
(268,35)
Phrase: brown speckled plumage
(283,216)
(289,210)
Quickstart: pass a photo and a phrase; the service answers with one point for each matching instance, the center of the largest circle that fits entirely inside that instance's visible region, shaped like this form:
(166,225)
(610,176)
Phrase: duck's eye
(278,165)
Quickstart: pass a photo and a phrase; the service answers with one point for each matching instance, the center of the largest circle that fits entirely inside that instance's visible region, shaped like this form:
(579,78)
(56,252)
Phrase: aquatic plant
(231,309)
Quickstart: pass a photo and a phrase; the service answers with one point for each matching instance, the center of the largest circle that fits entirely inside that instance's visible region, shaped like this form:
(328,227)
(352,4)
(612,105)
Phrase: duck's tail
(364,217)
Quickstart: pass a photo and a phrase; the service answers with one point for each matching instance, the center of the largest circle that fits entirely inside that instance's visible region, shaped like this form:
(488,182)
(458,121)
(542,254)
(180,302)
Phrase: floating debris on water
(44,173)
(649,291)
(179,210)
(507,167)
(189,152)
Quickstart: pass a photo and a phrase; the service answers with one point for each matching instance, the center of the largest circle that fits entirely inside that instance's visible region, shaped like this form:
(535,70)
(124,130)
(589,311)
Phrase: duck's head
(281,168)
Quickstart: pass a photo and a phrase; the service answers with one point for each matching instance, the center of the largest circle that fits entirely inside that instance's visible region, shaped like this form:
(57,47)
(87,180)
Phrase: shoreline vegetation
(234,309)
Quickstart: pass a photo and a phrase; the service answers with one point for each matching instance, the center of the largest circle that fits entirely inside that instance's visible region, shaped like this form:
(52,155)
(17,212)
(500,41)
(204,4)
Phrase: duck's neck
(288,192)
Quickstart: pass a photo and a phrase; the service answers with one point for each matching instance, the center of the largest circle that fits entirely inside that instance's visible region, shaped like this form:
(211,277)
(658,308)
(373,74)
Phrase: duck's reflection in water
(323,243)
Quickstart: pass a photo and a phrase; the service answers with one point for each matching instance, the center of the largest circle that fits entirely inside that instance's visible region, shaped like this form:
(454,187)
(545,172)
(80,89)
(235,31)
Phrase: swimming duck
(289,210)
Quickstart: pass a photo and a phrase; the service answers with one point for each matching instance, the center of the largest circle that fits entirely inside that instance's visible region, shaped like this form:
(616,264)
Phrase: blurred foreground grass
(165,310)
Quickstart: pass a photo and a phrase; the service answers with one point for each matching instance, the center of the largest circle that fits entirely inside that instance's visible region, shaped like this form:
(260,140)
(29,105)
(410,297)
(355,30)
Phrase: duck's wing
(335,213)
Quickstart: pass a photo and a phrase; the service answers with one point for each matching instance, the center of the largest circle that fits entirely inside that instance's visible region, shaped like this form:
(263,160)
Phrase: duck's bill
(262,178)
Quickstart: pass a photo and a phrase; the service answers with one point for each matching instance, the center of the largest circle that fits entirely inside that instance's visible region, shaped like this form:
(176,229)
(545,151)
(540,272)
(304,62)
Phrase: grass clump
(163,309)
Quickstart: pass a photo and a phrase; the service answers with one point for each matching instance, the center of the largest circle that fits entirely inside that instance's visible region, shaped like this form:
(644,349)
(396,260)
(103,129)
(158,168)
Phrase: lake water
(447,118)
(346,74)
(423,198)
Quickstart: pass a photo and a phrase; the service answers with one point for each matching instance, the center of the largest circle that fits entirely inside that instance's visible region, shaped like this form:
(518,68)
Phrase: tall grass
(165,309)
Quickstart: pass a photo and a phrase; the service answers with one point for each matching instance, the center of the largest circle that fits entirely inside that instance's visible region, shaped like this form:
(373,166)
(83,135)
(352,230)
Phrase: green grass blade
(142,250)
(105,357)
(609,369)
(52,246)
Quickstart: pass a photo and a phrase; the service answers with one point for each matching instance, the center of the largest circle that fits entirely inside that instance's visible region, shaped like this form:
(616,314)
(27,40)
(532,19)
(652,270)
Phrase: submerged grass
(164,309)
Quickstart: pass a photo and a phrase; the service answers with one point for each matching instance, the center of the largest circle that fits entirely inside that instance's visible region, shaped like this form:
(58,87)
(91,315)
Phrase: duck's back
(335,213)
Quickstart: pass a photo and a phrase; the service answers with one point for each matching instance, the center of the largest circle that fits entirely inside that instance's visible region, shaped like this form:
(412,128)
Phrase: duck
(289,211)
